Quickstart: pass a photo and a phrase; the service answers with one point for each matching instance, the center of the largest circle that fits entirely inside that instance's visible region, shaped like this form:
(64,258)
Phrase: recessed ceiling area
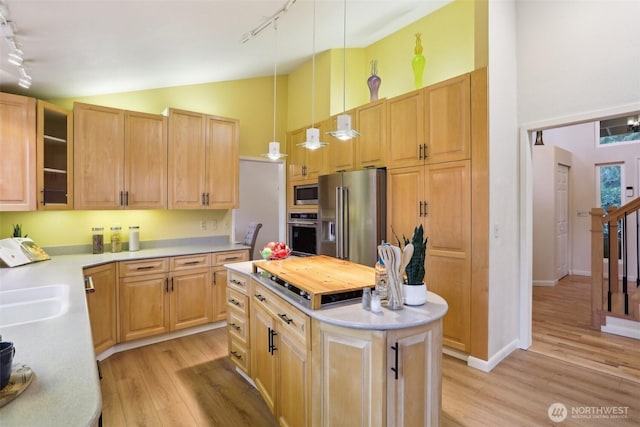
(80,48)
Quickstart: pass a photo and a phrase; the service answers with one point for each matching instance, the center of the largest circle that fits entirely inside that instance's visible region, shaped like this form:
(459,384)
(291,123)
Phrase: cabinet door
(447,110)
(98,157)
(143,306)
(222,163)
(102,306)
(371,145)
(448,260)
(293,401)
(54,157)
(190,298)
(219,293)
(405,207)
(145,161)
(297,155)
(18,148)
(341,154)
(186,160)
(414,383)
(263,363)
(406,130)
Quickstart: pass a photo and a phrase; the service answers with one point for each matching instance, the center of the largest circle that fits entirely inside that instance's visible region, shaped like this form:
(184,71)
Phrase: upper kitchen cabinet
(54,157)
(371,145)
(447,113)
(406,130)
(18,148)
(304,164)
(203,161)
(119,159)
(341,155)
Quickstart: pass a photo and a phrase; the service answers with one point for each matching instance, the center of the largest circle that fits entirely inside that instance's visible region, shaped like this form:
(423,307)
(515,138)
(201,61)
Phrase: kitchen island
(338,364)
(66,388)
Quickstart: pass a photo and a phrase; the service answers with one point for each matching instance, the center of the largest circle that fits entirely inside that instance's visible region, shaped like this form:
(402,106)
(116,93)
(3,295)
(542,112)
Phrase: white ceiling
(89,47)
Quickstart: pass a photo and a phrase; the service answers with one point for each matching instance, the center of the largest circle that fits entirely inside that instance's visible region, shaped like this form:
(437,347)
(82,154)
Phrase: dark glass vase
(374,81)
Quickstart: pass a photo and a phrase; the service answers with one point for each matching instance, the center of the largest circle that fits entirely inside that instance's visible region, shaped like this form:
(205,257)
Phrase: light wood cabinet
(376,378)
(219,280)
(18,148)
(371,145)
(280,356)
(119,159)
(54,157)
(203,161)
(341,155)
(447,112)
(238,321)
(101,303)
(159,295)
(405,125)
(304,164)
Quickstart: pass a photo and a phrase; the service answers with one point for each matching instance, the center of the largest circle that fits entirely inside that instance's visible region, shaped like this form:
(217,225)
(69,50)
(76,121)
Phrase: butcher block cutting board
(320,275)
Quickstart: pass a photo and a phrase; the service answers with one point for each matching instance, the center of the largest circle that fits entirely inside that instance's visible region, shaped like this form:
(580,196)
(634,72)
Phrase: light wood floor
(190,382)
(562,330)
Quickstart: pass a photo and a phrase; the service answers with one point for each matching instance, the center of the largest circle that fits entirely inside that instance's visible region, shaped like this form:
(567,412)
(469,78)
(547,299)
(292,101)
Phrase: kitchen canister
(97,240)
(116,240)
(134,238)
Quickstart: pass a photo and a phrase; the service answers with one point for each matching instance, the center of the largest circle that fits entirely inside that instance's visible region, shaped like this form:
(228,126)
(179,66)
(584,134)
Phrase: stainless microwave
(305,194)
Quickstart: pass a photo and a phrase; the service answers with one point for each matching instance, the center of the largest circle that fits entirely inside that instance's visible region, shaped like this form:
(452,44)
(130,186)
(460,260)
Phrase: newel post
(597,256)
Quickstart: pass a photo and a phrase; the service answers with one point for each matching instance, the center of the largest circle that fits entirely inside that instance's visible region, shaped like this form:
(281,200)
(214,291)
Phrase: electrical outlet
(214,224)
(583,214)
(203,225)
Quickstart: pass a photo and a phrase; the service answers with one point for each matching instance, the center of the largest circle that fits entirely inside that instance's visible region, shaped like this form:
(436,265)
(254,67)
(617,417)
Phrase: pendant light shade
(344,132)
(274,147)
(313,134)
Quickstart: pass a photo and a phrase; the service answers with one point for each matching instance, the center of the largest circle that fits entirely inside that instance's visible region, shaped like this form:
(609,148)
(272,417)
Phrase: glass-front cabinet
(54,155)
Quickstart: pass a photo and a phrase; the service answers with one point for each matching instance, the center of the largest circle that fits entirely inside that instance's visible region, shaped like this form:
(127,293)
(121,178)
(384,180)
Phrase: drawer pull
(237,282)
(234,326)
(231,257)
(260,298)
(191,262)
(234,301)
(236,355)
(145,267)
(285,318)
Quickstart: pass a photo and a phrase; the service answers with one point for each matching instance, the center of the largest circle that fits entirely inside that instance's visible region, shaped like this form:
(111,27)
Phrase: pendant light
(274,147)
(313,134)
(344,132)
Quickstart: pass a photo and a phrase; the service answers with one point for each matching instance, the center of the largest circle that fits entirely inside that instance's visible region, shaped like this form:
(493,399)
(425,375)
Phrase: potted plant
(415,289)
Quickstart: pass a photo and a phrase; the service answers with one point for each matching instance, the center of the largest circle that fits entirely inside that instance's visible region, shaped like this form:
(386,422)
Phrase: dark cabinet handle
(88,285)
(272,347)
(231,257)
(172,284)
(396,350)
(236,355)
(166,284)
(234,326)
(126,198)
(234,302)
(236,282)
(145,267)
(420,152)
(285,318)
(260,298)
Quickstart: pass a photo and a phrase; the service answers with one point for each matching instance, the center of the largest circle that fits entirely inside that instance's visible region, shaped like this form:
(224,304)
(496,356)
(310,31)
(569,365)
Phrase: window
(609,181)
(619,130)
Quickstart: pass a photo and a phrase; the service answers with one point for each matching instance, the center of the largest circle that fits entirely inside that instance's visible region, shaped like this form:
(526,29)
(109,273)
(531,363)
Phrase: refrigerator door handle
(342,222)
(338,229)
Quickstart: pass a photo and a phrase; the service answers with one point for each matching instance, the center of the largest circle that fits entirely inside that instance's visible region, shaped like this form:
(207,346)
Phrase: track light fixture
(15,56)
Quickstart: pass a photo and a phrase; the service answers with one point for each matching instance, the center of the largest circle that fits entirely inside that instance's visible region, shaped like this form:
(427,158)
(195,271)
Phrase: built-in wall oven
(303,231)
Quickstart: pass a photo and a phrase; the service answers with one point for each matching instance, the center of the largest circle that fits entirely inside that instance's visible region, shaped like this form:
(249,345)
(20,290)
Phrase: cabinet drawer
(237,325)
(189,261)
(239,354)
(143,267)
(237,301)
(220,258)
(239,282)
(290,318)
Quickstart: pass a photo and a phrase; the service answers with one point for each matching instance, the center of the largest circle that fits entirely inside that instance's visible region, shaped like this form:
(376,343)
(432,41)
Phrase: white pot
(415,294)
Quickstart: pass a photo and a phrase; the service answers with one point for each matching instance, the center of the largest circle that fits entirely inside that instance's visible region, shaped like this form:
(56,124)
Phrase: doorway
(262,199)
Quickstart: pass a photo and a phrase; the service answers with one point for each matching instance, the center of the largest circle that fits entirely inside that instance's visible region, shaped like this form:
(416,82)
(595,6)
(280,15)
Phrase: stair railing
(601,294)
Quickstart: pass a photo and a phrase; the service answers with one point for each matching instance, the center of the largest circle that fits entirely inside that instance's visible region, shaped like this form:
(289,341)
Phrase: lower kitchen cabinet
(219,280)
(190,298)
(238,320)
(101,302)
(280,355)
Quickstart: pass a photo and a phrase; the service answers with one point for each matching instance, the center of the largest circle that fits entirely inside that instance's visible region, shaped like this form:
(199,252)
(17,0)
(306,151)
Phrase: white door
(262,199)
(562,221)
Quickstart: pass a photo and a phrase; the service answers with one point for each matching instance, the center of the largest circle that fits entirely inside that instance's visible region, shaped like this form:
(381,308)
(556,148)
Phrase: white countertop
(352,315)
(66,388)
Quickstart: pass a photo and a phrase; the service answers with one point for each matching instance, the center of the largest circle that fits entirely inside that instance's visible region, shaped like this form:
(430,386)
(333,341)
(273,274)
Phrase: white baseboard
(581,272)
(455,353)
(159,338)
(623,327)
(544,282)
(488,365)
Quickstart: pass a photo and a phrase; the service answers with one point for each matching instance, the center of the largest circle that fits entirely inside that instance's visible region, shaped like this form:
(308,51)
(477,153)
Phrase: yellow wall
(300,92)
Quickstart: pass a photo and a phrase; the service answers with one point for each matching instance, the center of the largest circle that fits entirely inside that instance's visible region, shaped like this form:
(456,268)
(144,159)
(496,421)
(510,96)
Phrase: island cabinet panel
(219,280)
(18,148)
(238,322)
(101,303)
(280,346)
(447,118)
(406,130)
(371,145)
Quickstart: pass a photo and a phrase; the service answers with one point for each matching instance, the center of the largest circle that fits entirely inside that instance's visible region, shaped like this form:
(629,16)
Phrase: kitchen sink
(28,305)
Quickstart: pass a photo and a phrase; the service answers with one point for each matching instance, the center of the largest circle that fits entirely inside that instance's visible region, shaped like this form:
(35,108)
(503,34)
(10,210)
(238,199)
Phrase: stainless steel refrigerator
(352,215)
